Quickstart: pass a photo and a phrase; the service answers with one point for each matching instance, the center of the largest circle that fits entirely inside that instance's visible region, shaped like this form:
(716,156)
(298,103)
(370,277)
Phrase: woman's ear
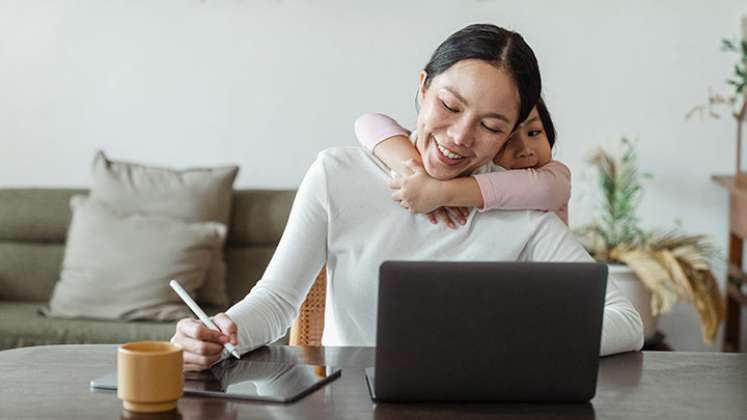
(422,77)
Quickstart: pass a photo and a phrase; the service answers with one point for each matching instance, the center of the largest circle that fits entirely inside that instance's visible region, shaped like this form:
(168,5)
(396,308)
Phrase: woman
(343,214)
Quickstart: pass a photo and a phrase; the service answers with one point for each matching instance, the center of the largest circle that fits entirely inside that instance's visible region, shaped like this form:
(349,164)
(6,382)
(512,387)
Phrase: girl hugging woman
(527,177)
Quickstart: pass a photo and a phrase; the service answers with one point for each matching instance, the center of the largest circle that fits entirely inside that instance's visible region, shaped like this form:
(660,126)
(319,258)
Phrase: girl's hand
(449,215)
(417,192)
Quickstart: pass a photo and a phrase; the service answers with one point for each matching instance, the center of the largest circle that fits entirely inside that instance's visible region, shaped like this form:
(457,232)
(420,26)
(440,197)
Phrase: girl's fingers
(397,196)
(408,170)
(465,211)
(432,217)
(436,215)
(406,205)
(455,214)
(413,166)
(444,217)
(395,183)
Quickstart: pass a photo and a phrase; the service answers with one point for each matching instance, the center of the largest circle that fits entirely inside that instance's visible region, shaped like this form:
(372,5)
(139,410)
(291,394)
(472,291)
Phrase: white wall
(267,84)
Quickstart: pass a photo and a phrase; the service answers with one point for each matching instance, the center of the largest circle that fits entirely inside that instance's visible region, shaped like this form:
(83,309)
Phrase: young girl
(531,180)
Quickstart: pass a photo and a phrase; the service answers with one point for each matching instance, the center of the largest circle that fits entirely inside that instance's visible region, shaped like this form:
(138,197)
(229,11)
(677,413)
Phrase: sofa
(33,227)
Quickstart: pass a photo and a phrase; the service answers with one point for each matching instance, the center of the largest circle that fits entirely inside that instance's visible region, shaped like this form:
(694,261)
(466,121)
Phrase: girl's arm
(387,140)
(391,144)
(544,188)
(421,193)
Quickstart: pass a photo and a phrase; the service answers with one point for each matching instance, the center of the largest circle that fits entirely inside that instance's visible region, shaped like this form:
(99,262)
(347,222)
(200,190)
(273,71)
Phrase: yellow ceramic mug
(149,376)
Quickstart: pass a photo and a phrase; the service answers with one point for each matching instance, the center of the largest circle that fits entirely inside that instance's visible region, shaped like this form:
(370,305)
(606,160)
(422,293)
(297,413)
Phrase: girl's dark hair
(546,120)
(502,48)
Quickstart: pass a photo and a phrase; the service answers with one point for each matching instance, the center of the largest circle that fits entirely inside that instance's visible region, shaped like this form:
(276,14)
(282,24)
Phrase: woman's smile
(447,155)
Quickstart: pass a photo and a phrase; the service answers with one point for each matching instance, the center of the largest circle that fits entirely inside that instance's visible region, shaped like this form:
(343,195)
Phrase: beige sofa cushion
(22,325)
(117,265)
(190,195)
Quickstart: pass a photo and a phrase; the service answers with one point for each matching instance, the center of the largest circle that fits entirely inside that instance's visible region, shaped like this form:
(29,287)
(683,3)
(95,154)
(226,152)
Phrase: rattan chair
(308,327)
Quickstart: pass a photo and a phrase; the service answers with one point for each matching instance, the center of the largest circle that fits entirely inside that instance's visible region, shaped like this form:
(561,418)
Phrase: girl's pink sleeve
(544,188)
(371,129)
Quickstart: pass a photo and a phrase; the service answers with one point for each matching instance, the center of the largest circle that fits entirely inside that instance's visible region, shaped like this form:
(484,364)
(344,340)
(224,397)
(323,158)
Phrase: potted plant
(653,269)
(736,103)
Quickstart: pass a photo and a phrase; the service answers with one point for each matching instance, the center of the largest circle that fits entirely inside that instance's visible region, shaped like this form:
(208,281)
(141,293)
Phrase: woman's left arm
(622,328)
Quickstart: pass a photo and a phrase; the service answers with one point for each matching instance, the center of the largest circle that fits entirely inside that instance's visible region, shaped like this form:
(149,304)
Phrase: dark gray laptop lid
(486,331)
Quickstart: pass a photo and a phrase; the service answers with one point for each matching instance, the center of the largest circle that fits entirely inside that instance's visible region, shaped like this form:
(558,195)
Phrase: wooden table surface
(53,382)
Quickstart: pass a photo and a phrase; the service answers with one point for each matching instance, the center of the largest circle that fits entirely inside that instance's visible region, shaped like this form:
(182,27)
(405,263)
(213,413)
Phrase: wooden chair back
(308,327)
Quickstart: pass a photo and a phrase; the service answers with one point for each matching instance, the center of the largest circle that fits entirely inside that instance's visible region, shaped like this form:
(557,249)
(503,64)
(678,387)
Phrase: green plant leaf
(620,184)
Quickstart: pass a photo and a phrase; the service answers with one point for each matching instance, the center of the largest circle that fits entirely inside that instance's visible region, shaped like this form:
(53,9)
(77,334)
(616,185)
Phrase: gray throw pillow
(190,195)
(118,265)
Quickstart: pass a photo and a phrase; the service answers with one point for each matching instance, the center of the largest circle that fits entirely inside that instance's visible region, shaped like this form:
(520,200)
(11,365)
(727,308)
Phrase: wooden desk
(53,382)
(735,297)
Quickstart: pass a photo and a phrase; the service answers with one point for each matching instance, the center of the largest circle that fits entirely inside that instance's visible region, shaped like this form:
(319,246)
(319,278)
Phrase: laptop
(488,331)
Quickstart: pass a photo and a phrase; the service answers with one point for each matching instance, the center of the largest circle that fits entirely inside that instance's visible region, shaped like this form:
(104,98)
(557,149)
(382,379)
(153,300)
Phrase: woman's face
(528,147)
(466,115)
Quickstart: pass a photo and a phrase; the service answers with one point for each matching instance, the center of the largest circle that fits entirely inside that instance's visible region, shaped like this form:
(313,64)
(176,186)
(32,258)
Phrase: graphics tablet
(249,380)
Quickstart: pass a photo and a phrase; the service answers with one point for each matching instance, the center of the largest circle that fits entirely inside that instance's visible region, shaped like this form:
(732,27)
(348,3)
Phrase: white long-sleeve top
(343,215)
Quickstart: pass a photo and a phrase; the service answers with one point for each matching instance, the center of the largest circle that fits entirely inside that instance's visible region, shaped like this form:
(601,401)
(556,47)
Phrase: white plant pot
(632,288)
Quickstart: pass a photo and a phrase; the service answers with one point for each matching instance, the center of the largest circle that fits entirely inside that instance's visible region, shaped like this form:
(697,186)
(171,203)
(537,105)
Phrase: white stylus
(200,314)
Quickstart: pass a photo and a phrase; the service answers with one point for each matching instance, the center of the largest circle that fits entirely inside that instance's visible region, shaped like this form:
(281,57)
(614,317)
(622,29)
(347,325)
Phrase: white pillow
(118,265)
(191,195)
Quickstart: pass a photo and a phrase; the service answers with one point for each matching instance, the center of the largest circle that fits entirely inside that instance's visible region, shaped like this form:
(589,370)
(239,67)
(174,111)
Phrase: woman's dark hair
(502,48)
(546,120)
